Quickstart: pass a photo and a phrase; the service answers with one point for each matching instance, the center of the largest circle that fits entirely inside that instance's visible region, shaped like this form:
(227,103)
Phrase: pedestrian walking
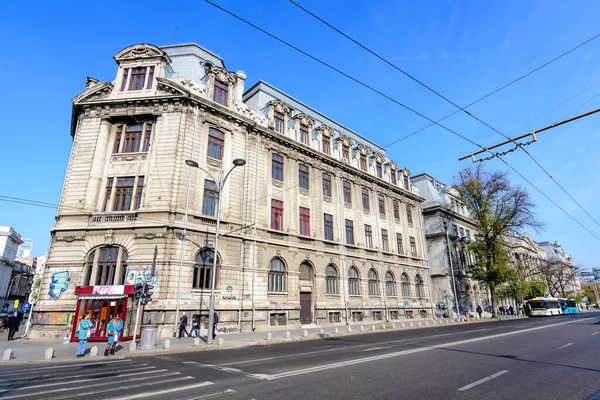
(512,310)
(83,333)
(195,327)
(13,325)
(183,325)
(215,322)
(115,326)
(501,309)
(479,310)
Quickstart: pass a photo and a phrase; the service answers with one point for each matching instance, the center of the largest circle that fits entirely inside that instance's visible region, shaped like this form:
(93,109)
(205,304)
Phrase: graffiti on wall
(57,318)
(141,273)
(58,284)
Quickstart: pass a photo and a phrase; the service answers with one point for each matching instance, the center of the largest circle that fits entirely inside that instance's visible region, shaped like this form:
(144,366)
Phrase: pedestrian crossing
(119,379)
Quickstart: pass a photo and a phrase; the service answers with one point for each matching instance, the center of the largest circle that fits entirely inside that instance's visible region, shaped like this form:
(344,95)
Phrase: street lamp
(452,271)
(238,162)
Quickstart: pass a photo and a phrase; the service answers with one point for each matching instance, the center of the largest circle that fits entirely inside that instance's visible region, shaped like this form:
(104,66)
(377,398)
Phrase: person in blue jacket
(83,332)
(114,329)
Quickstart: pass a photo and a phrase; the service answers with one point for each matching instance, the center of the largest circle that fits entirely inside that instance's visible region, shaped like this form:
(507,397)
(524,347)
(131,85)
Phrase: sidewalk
(26,350)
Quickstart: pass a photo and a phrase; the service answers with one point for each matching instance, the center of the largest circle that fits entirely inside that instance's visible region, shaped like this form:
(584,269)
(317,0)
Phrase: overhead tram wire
(406,107)
(463,109)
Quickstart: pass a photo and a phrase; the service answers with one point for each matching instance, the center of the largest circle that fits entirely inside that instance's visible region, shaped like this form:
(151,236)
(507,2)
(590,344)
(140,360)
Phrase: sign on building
(140,274)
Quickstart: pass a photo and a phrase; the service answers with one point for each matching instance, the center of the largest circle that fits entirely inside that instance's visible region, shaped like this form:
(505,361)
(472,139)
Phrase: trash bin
(149,336)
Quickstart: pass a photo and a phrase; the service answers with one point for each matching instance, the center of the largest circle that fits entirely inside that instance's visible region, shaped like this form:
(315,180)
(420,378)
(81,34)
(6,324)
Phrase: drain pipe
(242,233)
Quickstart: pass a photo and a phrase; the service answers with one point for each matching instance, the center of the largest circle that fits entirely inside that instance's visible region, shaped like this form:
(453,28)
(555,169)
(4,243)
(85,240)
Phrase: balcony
(112,218)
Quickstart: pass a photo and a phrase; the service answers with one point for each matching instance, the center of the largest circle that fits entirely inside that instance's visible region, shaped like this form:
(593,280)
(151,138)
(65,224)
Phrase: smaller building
(559,270)
(10,241)
(24,250)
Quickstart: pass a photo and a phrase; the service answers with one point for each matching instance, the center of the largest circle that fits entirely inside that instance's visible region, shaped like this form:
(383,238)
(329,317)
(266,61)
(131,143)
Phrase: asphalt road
(549,358)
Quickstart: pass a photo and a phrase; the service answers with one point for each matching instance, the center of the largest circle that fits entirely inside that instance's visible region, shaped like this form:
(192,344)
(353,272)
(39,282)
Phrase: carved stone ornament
(166,86)
(109,237)
(325,130)
(141,51)
(405,171)
(69,239)
(362,149)
(222,75)
(346,141)
(279,106)
(96,92)
(392,165)
(304,119)
(378,157)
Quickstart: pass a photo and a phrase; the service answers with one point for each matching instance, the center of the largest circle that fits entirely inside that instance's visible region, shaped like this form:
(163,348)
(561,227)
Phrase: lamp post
(452,271)
(238,162)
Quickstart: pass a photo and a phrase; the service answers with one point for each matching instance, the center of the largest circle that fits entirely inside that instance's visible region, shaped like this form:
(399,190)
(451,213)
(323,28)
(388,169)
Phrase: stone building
(448,231)
(318,227)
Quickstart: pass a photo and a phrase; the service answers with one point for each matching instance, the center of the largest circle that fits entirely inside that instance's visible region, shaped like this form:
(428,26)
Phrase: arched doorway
(306,284)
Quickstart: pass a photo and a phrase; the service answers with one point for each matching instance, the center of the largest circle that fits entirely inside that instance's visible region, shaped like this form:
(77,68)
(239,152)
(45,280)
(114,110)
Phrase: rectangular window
(147,137)
(349,232)
(406,182)
(210,198)
(107,198)
(379,169)
(216,141)
(345,153)
(409,214)
(328,225)
(462,232)
(393,176)
(396,209)
(468,234)
(327,185)
(220,93)
(365,199)
(150,78)
(139,190)
(277,214)
(303,177)
(124,194)
(278,119)
(326,145)
(385,243)
(381,205)
(304,134)
(125,77)
(137,78)
(133,138)
(277,167)
(413,247)
(454,230)
(304,221)
(368,237)
(399,243)
(347,192)
(363,162)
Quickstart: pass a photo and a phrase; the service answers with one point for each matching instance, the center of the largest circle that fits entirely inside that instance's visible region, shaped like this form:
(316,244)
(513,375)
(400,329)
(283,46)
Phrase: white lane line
(48,377)
(283,356)
(401,353)
(595,333)
(9,389)
(161,392)
(374,348)
(479,382)
(109,389)
(565,346)
(213,395)
(78,365)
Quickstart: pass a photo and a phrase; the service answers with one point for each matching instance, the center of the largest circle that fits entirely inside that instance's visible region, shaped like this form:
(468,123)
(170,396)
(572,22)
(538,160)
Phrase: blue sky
(462,49)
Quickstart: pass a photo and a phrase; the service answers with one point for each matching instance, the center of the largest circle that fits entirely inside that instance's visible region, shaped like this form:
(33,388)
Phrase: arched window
(353,282)
(405,286)
(203,270)
(331,280)
(390,285)
(373,287)
(111,266)
(419,286)
(306,273)
(276,275)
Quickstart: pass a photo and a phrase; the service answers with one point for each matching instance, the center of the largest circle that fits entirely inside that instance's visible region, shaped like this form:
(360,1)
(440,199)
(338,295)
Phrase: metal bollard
(335,330)
(402,325)
(349,328)
(49,354)
(221,341)
(393,326)
(269,336)
(8,355)
(132,347)
(305,333)
(288,335)
(167,344)
(362,327)
(94,351)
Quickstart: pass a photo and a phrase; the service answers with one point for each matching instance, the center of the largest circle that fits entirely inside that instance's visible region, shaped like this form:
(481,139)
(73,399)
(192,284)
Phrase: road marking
(213,395)
(78,365)
(401,353)
(564,346)
(50,377)
(479,382)
(283,356)
(109,389)
(161,392)
(595,333)
(374,348)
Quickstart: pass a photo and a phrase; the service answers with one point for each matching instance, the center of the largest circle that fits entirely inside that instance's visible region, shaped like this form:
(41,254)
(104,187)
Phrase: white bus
(543,306)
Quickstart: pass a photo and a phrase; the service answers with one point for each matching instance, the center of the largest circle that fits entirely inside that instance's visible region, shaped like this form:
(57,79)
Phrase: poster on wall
(58,284)
(141,274)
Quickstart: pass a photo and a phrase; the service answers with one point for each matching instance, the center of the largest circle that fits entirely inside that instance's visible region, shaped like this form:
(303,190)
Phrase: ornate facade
(309,234)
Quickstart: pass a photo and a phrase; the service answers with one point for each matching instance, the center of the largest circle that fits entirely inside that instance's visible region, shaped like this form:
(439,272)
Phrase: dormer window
(393,176)
(406,182)
(220,93)
(303,134)
(326,145)
(345,153)
(379,170)
(137,78)
(363,162)
(278,119)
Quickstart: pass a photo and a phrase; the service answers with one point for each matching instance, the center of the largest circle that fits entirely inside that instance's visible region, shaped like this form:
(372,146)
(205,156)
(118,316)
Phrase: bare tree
(559,277)
(500,210)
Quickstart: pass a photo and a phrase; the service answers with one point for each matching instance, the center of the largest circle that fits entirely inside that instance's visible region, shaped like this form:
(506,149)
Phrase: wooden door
(305,308)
